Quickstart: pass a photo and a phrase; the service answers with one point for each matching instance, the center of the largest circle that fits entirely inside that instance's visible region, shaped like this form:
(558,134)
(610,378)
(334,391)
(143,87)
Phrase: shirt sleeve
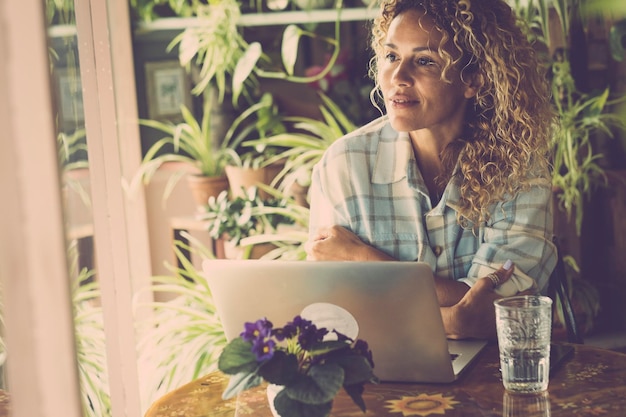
(521,230)
(321,212)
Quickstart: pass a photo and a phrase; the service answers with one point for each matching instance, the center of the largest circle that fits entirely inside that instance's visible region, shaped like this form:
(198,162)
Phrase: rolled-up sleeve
(521,230)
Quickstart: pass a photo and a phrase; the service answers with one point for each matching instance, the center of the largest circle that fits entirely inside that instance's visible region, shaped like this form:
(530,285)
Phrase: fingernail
(507,265)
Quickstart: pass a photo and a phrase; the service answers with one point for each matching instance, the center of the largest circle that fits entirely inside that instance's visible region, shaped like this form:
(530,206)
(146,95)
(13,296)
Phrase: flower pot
(203,187)
(235,251)
(272,392)
(241,179)
(299,193)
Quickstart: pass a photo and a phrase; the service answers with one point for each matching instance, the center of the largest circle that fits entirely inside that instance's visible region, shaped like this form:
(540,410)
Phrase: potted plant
(193,147)
(256,165)
(233,219)
(303,146)
(149,10)
(288,242)
(74,163)
(229,63)
(305,367)
(576,163)
(181,338)
(215,44)
(584,119)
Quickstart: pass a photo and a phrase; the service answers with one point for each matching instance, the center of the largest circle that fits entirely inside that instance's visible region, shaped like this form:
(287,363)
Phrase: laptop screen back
(394,305)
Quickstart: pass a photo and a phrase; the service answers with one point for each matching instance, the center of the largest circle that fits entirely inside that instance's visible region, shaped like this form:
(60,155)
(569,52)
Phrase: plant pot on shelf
(203,187)
(231,250)
(242,178)
(299,193)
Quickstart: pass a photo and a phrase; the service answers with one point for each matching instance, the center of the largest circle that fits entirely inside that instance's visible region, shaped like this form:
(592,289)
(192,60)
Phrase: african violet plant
(310,363)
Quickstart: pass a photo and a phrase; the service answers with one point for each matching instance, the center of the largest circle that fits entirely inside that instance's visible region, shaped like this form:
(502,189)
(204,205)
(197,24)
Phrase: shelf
(266,19)
(62,31)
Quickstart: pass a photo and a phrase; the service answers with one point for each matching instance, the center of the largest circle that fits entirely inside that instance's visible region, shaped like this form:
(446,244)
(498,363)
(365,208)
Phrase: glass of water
(523,325)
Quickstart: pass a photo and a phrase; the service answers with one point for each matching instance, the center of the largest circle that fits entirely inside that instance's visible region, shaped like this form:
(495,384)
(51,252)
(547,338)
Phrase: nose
(402,74)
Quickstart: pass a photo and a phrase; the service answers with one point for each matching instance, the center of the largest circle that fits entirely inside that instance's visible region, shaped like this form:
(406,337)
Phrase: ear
(472,84)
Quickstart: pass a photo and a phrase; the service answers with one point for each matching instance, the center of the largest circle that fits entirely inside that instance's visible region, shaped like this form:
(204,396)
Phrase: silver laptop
(391,305)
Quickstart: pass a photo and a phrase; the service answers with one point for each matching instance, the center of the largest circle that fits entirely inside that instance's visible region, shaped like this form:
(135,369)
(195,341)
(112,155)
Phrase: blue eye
(391,57)
(425,61)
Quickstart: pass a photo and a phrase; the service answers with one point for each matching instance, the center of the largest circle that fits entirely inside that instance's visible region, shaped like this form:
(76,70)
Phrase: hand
(336,243)
(474,315)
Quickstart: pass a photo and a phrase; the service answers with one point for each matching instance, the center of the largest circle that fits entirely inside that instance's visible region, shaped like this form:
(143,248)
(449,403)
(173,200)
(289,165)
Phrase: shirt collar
(392,157)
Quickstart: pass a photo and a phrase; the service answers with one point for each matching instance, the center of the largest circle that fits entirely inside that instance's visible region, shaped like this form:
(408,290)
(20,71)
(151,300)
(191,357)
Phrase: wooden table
(591,382)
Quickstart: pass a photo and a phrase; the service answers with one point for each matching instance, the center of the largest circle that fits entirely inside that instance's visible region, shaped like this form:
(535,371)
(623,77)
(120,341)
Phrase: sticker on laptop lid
(332,317)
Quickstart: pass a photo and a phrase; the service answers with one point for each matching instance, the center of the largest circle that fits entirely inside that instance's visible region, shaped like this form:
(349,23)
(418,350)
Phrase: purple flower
(258,330)
(342,337)
(304,329)
(310,335)
(362,348)
(291,329)
(263,349)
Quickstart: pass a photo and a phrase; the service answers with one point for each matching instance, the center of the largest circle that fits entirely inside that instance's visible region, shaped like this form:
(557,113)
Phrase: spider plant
(193,144)
(231,64)
(90,344)
(149,10)
(304,147)
(182,338)
(60,12)
(214,43)
(72,150)
(582,116)
(575,161)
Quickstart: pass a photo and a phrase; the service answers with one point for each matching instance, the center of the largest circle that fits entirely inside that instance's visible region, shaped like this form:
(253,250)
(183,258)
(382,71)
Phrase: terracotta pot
(203,187)
(241,179)
(235,251)
(299,193)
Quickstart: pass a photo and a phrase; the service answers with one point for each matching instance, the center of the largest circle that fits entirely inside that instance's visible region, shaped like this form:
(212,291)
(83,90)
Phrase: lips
(401,100)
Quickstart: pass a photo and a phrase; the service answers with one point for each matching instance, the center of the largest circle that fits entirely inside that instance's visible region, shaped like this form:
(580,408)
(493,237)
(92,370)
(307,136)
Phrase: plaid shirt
(369,182)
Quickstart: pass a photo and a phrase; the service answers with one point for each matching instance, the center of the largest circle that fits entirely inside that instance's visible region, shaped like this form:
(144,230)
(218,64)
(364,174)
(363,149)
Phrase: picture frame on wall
(167,87)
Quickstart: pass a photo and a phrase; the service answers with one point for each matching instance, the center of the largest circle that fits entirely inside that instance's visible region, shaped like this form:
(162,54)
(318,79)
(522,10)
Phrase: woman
(456,173)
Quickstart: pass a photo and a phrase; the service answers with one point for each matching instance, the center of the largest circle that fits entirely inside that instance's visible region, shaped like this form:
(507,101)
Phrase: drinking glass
(523,325)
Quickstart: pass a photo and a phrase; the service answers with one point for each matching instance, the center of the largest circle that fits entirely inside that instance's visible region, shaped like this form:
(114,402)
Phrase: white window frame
(33,267)
(41,367)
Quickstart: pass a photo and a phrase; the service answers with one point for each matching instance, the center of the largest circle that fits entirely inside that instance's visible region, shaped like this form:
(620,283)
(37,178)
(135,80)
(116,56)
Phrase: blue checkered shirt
(368,182)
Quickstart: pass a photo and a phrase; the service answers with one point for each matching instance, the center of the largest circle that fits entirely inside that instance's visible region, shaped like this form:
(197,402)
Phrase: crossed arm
(466,312)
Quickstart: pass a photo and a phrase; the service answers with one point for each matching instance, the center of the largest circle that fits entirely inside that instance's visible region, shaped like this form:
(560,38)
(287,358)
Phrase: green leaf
(357,369)
(320,385)
(244,68)
(327,346)
(281,369)
(288,407)
(289,48)
(241,382)
(355,392)
(237,357)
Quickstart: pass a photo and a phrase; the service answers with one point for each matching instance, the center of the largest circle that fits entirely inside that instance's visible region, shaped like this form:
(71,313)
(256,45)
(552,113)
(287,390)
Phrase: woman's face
(409,74)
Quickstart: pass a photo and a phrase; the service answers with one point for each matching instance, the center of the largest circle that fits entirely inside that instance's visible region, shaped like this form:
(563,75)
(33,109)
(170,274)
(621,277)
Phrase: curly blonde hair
(510,122)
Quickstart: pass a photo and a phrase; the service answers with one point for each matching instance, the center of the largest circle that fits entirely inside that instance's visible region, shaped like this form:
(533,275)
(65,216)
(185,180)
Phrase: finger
(322,233)
(502,275)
